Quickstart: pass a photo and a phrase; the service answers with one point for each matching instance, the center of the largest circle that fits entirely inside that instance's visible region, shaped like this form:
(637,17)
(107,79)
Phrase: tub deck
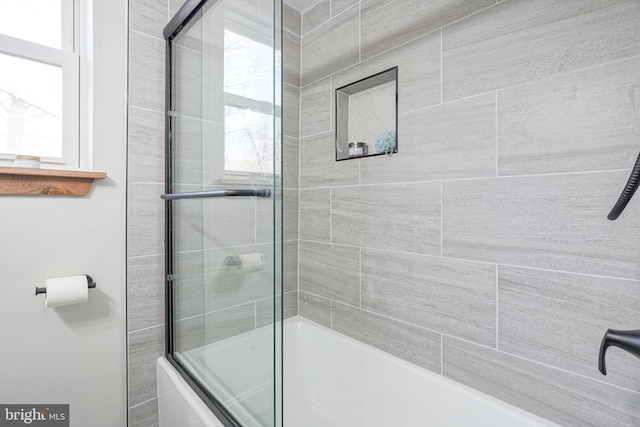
(331,380)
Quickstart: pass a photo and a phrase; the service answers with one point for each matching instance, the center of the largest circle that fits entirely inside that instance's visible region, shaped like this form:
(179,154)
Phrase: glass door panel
(223,206)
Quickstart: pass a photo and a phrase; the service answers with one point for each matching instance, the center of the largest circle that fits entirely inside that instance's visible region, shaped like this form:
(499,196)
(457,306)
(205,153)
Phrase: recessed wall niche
(367,116)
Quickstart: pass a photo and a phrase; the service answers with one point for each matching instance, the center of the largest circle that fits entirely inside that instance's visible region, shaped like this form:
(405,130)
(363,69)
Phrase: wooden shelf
(53,182)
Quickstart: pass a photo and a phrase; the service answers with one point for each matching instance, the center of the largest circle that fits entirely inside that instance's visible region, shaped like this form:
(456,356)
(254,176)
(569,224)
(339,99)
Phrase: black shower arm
(627,193)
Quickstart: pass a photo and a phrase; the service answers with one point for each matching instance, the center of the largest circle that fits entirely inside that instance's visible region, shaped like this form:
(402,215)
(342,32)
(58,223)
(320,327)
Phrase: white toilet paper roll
(251,262)
(66,290)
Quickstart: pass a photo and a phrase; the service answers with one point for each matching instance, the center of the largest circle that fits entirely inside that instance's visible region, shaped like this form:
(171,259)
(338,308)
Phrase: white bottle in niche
(357,149)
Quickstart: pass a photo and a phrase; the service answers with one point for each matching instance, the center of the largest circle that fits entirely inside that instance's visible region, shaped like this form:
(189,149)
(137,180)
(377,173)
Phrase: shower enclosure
(223,213)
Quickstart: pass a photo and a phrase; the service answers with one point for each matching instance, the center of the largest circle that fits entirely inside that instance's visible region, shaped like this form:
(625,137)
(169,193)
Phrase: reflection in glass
(225,252)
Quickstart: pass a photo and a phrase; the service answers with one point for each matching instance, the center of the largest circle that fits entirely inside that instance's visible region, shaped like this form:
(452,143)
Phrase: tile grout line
(551,77)
(219,310)
(331,18)
(143,403)
(480,178)
(151,36)
(430,33)
(539,363)
(485,346)
(147,328)
(475,261)
(151,110)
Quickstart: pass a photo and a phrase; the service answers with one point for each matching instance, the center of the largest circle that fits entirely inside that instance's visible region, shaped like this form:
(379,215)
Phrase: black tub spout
(627,340)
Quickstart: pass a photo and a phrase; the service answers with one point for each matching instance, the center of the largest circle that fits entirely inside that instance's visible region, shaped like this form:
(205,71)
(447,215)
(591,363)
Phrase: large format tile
(387,24)
(188,334)
(408,342)
(449,296)
(145,148)
(269,221)
(174,6)
(188,283)
(188,82)
(568,399)
(315,108)
(418,65)
(146,71)
(560,318)
(291,58)
(290,265)
(404,217)
(145,225)
(269,218)
(315,215)
(330,271)
(251,6)
(557,222)
(315,308)
(227,284)
(148,16)
(519,41)
(586,120)
(233,321)
(291,19)
(229,222)
(144,415)
(315,16)
(265,309)
(331,48)
(212,165)
(291,107)
(188,224)
(339,6)
(454,140)
(290,214)
(145,347)
(189,165)
(145,292)
(318,165)
(291,162)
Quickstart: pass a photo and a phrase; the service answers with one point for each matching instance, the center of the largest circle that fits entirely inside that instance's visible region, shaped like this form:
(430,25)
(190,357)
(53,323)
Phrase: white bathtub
(330,380)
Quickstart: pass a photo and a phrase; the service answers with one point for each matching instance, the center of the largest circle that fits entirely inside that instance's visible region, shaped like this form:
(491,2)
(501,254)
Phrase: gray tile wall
(202,251)
(481,250)
(145,217)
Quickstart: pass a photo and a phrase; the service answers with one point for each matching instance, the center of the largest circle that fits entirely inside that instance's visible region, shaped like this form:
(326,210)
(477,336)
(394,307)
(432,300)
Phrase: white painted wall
(73,354)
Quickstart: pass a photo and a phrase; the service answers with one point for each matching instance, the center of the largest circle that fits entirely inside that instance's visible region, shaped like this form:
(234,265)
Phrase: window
(248,86)
(40,81)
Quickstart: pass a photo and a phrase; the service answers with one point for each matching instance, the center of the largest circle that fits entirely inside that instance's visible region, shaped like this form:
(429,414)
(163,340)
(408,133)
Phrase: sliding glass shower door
(223,197)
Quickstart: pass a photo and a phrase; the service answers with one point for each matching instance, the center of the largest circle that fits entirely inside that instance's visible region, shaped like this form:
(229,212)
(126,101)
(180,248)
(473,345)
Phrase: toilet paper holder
(90,284)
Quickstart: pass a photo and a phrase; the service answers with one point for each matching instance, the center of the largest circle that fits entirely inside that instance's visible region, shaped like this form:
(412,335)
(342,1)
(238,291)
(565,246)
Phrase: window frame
(69,60)
(240,24)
